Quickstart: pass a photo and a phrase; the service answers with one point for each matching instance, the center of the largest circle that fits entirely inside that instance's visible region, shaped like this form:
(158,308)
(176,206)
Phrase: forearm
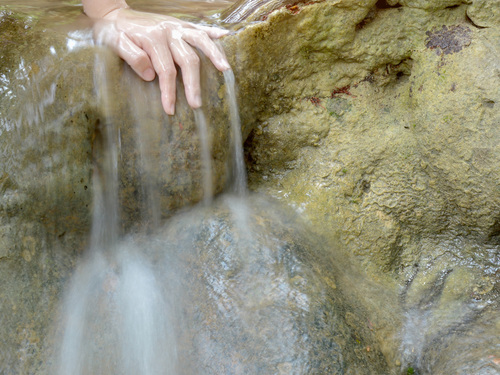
(99,8)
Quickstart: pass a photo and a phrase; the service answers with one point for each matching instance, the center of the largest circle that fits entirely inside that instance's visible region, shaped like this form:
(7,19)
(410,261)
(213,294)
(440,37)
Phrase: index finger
(201,40)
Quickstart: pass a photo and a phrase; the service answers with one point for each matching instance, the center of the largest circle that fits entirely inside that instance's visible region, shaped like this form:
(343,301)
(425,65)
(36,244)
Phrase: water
(205,156)
(120,312)
(55,11)
(239,178)
(110,319)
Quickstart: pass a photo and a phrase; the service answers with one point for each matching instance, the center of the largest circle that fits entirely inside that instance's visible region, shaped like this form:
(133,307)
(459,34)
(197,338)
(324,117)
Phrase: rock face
(269,304)
(62,101)
(378,121)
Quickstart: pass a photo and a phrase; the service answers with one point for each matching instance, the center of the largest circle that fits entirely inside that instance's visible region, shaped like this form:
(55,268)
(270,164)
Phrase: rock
(376,120)
(248,290)
(62,100)
(379,125)
(484,13)
(259,294)
(431,5)
(369,127)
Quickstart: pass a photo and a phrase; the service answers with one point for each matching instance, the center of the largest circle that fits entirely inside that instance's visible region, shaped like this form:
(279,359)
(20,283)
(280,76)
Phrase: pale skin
(152,44)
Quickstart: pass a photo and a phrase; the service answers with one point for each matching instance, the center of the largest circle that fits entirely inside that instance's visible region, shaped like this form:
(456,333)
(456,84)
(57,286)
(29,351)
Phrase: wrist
(96,9)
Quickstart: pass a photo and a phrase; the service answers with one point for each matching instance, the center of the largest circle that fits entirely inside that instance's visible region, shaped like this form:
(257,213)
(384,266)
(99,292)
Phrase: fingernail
(225,65)
(169,109)
(172,109)
(196,103)
(148,74)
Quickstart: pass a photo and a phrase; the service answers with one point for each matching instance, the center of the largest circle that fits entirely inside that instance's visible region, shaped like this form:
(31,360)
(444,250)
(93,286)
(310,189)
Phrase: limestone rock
(379,124)
(484,13)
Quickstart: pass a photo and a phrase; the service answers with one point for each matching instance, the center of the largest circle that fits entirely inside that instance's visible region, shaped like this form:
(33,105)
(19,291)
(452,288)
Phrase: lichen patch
(448,39)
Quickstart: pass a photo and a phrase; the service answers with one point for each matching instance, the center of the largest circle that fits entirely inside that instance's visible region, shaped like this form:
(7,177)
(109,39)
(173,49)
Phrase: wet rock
(260,295)
(450,305)
(247,290)
(376,120)
(62,100)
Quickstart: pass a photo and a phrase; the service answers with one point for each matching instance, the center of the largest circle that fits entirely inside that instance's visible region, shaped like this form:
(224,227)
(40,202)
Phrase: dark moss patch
(383,4)
(448,39)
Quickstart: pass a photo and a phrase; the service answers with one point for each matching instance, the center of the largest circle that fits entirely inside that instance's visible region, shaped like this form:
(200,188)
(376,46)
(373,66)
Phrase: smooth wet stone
(259,295)
(246,290)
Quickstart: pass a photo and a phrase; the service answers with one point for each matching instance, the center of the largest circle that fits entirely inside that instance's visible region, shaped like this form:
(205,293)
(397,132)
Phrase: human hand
(152,44)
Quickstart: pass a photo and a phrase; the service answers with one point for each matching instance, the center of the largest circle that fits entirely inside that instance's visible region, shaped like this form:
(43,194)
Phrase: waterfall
(119,313)
(239,176)
(116,317)
(206,157)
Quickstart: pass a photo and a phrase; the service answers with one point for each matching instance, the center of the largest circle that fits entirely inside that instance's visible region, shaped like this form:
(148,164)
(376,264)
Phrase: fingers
(202,41)
(189,62)
(150,44)
(212,32)
(134,56)
(164,66)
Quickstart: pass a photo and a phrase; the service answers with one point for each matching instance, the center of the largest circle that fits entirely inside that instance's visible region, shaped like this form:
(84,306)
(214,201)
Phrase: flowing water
(110,317)
(232,285)
(239,180)
(117,315)
(201,123)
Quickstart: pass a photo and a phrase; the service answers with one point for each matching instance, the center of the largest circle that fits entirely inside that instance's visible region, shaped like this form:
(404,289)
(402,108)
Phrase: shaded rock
(429,4)
(62,101)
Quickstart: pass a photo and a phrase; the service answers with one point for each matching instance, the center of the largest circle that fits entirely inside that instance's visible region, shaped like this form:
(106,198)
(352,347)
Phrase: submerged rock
(241,287)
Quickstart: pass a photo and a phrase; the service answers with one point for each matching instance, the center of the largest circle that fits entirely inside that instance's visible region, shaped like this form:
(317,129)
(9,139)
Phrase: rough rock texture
(273,300)
(44,201)
(380,125)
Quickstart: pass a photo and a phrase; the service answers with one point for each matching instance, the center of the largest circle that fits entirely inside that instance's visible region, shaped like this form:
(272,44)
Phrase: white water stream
(117,316)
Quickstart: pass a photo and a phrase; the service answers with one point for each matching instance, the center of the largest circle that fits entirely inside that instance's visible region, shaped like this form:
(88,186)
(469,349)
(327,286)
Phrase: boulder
(238,287)
(63,102)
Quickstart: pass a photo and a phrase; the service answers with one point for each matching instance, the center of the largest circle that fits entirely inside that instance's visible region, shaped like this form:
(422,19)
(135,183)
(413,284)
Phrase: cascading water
(111,315)
(205,156)
(119,316)
(239,180)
